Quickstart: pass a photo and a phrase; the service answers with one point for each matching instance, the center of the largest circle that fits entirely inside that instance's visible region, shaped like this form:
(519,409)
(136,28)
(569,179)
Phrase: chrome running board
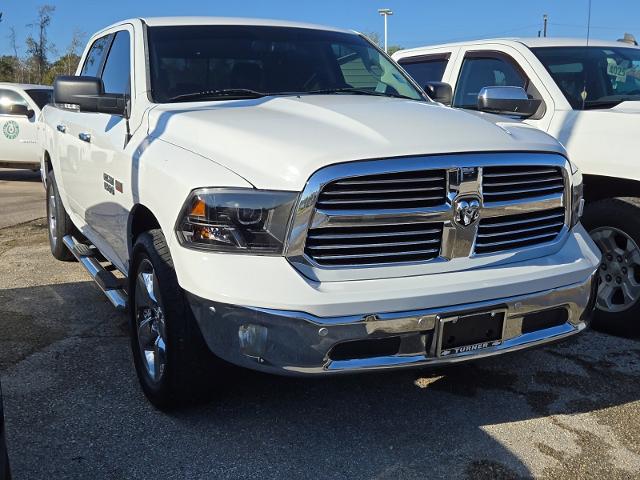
(113,287)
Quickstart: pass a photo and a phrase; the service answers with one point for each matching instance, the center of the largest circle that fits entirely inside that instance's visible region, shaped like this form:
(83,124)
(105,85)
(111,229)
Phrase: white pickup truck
(282,197)
(20,107)
(588,97)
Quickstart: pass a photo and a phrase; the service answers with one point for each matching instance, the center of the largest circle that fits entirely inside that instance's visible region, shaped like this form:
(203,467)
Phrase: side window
(94,58)
(117,69)
(9,98)
(425,70)
(477,73)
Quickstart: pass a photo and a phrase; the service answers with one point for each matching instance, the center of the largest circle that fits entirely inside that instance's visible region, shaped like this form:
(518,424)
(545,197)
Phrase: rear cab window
(426,68)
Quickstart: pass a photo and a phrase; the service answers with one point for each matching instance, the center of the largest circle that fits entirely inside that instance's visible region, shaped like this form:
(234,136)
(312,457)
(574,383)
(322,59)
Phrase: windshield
(220,61)
(41,97)
(594,77)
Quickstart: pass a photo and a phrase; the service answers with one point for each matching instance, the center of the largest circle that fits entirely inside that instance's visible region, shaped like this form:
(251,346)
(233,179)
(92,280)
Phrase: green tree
(7,68)
(39,47)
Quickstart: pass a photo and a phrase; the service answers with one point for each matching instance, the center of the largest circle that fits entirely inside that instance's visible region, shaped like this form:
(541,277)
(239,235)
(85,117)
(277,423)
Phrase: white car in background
(20,107)
(587,97)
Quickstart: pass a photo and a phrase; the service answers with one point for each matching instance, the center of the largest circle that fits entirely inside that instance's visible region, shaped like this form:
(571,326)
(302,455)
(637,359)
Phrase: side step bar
(113,287)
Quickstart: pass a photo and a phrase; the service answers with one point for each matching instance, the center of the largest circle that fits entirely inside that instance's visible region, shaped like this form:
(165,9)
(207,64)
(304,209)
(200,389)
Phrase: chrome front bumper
(296,343)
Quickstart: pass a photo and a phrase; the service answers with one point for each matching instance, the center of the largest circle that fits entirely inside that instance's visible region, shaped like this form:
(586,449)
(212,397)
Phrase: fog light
(253,340)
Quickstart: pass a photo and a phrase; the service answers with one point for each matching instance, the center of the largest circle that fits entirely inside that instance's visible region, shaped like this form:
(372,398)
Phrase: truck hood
(602,142)
(279,142)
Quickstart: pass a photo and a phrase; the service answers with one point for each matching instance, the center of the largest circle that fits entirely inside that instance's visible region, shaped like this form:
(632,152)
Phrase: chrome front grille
(509,183)
(500,234)
(387,191)
(412,215)
(366,245)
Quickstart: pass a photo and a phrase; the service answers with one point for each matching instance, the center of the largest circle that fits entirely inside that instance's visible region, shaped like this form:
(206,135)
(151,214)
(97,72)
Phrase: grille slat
(493,172)
(388,191)
(520,183)
(381,191)
(355,236)
(509,223)
(345,203)
(385,181)
(524,230)
(500,234)
(369,245)
(377,255)
(380,244)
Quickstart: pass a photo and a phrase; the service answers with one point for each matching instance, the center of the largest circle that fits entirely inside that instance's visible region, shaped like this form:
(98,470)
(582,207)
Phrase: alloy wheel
(52,214)
(150,322)
(619,272)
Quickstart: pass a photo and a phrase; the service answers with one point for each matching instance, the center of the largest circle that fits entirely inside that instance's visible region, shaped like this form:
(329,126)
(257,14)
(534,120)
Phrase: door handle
(62,128)
(85,137)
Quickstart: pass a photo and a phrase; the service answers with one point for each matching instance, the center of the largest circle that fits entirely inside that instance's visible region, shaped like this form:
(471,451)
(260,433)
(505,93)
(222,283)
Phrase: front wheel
(58,221)
(614,225)
(171,358)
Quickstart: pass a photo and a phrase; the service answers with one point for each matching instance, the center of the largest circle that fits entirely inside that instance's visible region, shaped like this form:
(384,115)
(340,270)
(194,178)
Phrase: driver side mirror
(439,92)
(88,94)
(507,101)
(21,110)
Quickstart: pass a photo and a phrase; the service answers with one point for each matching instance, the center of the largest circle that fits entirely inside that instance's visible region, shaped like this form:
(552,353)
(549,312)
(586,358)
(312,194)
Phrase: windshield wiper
(356,91)
(217,94)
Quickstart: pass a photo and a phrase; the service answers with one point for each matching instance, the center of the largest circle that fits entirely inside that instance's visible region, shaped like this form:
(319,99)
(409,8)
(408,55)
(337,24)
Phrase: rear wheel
(614,225)
(58,221)
(172,360)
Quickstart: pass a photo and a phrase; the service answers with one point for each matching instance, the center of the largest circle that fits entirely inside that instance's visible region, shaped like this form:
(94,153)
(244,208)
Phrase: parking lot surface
(74,408)
(21,196)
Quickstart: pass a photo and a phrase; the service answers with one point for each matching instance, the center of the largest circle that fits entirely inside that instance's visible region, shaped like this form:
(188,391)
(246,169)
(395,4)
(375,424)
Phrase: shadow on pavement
(20,175)
(74,409)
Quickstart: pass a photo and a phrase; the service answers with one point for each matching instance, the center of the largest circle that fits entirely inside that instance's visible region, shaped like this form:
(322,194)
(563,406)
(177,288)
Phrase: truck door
(18,134)
(106,162)
(489,67)
(72,152)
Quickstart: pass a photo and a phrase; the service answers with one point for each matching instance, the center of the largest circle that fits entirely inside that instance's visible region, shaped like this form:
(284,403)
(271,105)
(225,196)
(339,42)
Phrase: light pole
(385,12)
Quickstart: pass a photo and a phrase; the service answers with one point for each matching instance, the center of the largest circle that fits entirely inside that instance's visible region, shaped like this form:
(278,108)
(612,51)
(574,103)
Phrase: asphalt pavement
(21,196)
(74,409)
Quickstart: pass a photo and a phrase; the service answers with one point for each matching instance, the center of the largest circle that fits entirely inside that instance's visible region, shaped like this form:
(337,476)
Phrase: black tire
(58,222)
(190,367)
(622,216)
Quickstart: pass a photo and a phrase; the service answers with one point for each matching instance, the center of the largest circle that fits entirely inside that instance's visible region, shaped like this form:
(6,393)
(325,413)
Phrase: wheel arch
(46,167)
(600,187)
(141,219)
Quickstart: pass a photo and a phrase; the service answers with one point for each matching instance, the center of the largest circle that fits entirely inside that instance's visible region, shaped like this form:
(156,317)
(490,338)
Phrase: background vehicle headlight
(577,195)
(236,220)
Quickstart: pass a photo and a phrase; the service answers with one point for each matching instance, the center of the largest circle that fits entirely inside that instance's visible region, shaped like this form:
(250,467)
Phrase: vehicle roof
(25,86)
(177,21)
(532,42)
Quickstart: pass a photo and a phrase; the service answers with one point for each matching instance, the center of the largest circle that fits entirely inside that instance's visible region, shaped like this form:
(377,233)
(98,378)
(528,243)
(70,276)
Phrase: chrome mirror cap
(507,101)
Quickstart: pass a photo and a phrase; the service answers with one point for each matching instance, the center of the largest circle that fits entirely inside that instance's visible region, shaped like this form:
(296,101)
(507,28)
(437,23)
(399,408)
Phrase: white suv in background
(20,106)
(587,97)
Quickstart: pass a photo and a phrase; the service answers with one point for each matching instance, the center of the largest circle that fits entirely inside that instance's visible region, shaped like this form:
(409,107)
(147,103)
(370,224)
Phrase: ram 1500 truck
(282,197)
(585,94)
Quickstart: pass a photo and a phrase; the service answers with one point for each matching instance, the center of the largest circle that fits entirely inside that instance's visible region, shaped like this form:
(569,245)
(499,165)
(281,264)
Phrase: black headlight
(236,220)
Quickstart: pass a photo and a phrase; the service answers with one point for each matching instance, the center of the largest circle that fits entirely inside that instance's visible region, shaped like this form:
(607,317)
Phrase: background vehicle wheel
(58,221)
(614,225)
(173,363)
